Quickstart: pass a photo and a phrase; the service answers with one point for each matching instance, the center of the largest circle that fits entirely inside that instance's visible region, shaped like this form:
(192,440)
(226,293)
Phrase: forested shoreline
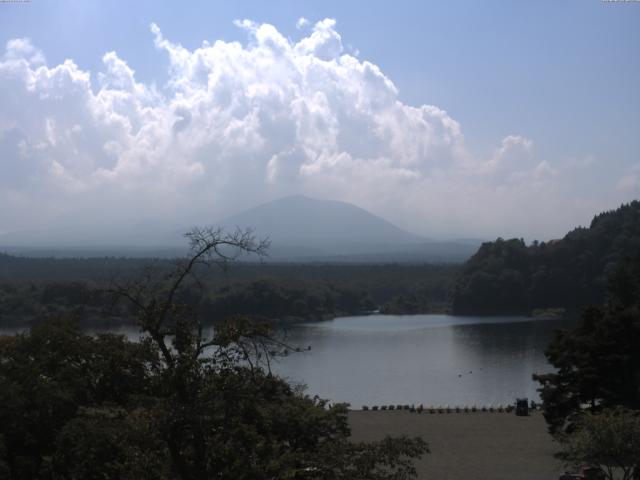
(35,288)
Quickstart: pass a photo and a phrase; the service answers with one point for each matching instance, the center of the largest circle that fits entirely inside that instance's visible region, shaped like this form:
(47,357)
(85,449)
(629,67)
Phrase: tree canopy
(32,288)
(598,362)
(609,441)
(507,276)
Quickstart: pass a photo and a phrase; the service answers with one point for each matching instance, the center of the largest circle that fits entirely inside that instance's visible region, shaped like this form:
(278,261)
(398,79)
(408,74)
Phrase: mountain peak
(299,219)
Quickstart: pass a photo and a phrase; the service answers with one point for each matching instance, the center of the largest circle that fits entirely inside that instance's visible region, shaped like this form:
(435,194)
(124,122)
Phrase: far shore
(478,446)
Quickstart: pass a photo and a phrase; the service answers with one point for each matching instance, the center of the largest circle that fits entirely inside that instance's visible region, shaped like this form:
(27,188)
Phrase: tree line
(32,288)
(510,277)
(591,402)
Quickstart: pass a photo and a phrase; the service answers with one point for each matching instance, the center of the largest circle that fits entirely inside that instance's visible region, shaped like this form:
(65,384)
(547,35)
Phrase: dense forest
(508,276)
(597,363)
(591,398)
(36,288)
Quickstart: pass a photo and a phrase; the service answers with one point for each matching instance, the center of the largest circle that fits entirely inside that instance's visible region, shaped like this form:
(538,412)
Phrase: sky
(451,119)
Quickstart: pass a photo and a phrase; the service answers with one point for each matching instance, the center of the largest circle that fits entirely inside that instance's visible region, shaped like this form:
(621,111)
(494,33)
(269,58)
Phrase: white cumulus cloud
(301,23)
(239,124)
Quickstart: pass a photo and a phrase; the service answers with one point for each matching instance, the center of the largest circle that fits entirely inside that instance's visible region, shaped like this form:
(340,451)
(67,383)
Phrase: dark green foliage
(389,459)
(77,406)
(309,292)
(109,442)
(22,304)
(48,375)
(277,299)
(20,269)
(609,441)
(598,362)
(506,276)
(419,300)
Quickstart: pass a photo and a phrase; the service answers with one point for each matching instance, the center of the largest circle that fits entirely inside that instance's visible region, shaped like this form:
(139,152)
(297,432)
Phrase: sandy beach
(478,446)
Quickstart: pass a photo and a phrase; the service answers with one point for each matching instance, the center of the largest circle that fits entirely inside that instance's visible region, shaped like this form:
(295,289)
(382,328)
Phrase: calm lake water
(429,359)
(413,359)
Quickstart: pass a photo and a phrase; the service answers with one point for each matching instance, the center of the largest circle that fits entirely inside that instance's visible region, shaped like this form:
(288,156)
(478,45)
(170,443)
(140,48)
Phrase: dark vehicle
(585,472)
(522,407)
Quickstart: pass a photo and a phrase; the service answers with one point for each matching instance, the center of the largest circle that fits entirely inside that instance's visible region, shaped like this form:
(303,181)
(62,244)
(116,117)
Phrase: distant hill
(298,220)
(301,229)
(506,276)
(309,230)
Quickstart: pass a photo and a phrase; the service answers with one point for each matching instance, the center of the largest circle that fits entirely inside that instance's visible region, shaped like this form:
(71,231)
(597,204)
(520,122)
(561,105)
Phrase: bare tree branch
(154,302)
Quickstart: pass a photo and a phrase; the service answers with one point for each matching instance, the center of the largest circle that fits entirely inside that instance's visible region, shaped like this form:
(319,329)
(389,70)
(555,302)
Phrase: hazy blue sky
(464,118)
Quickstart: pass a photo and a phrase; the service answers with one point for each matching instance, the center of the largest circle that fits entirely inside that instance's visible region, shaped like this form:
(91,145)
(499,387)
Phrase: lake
(429,359)
(413,359)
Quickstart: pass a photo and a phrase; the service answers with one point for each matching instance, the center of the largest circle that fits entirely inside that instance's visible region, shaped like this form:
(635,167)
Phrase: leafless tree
(155,298)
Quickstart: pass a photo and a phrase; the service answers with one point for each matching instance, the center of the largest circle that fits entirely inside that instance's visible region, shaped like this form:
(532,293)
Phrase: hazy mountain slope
(301,229)
(298,220)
